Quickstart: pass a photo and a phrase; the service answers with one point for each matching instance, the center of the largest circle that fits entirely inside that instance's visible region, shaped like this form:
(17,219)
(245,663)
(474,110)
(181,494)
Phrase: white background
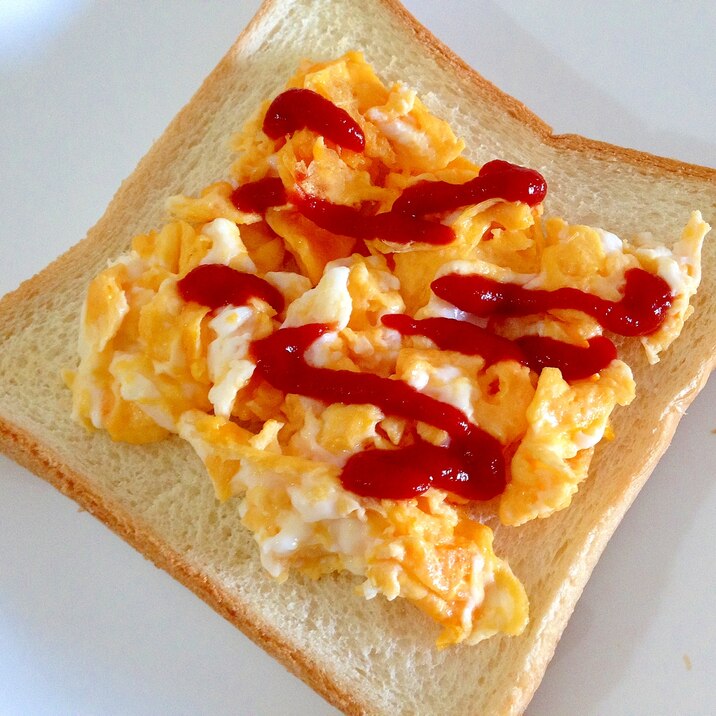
(87,626)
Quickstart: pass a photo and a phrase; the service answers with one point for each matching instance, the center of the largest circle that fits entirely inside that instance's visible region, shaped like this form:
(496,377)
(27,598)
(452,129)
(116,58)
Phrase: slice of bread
(159,497)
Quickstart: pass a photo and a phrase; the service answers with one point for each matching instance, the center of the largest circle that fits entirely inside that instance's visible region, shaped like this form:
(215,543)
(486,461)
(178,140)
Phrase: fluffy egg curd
(153,363)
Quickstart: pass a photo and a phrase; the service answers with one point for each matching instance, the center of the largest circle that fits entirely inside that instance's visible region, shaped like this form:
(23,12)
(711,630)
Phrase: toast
(69,458)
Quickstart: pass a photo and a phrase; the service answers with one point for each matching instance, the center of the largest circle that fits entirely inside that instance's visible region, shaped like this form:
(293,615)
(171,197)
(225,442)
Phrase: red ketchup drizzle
(216,285)
(402,224)
(450,334)
(497,180)
(472,466)
(389,226)
(297,109)
(257,196)
(339,219)
(537,352)
(642,309)
(574,362)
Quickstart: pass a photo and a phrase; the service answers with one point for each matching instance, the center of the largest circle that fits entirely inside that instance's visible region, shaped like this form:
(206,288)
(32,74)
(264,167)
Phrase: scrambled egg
(153,364)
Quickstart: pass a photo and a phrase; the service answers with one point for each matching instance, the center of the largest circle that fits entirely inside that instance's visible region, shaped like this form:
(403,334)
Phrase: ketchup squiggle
(472,466)
(537,352)
(217,285)
(644,305)
(295,109)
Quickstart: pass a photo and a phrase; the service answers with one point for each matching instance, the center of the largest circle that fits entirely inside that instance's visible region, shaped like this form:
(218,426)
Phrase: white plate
(86,624)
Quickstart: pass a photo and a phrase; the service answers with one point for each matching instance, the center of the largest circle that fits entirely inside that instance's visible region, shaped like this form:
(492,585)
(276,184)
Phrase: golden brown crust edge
(573,142)
(25,449)
(130,191)
(29,452)
(548,643)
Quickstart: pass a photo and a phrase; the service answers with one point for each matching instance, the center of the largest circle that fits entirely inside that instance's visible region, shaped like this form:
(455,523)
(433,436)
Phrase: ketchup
(497,180)
(217,285)
(389,226)
(472,466)
(537,352)
(403,223)
(257,196)
(340,219)
(409,471)
(642,309)
(297,109)
(574,362)
(450,334)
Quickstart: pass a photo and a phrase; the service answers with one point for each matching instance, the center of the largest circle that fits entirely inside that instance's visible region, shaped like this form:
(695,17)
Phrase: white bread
(622,211)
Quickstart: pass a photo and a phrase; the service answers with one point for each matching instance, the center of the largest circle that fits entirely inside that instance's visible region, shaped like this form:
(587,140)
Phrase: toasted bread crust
(29,450)
(131,188)
(650,163)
